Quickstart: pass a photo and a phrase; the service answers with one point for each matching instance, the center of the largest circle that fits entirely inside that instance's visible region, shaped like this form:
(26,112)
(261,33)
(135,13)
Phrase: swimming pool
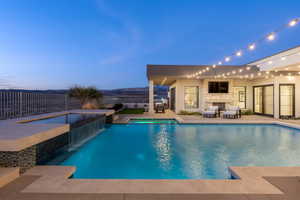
(173,151)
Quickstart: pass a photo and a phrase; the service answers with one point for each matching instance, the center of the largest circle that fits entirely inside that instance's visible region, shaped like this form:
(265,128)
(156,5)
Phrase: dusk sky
(54,44)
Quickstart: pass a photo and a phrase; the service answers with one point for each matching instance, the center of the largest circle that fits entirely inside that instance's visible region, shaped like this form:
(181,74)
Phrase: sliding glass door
(268,97)
(264,100)
(258,102)
(287,100)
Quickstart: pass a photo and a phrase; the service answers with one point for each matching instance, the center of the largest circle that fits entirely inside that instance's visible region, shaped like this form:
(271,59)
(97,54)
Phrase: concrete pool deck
(254,183)
(17,135)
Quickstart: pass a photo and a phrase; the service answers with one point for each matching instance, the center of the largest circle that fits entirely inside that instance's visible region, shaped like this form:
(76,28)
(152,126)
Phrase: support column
(151,97)
(249,97)
(276,99)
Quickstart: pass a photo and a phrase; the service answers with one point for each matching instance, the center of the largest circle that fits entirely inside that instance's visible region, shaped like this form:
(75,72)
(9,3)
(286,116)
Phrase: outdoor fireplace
(221,105)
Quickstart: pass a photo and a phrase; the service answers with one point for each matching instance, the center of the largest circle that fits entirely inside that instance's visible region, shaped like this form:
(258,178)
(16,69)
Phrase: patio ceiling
(167,74)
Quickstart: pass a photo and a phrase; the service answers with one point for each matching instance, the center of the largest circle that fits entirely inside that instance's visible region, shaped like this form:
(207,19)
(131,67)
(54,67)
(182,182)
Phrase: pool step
(8,175)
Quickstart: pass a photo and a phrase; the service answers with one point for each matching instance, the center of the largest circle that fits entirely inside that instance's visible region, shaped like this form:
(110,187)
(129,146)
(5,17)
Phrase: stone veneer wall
(24,159)
(45,151)
(34,155)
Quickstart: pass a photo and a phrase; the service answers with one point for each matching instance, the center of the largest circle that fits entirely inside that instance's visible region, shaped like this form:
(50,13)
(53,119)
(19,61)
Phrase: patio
(121,118)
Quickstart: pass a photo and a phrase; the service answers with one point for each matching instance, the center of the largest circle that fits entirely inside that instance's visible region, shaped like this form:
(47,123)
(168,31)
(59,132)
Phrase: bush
(247,112)
(183,112)
(132,111)
(117,106)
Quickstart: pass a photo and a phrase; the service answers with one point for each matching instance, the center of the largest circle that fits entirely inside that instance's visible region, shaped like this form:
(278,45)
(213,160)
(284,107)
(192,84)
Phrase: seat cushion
(230,113)
(209,112)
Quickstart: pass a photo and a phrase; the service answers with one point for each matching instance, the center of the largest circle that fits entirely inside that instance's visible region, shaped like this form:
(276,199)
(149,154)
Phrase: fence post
(66,102)
(21,103)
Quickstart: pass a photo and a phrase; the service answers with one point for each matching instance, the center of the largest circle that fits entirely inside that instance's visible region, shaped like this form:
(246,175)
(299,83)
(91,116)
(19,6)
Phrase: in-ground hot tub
(35,140)
(82,128)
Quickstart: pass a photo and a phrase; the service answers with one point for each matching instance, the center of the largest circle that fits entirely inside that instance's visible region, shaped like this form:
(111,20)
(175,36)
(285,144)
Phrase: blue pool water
(172,151)
(152,121)
(62,119)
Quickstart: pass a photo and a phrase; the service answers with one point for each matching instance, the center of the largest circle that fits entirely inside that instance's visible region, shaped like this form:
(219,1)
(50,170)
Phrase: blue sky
(54,44)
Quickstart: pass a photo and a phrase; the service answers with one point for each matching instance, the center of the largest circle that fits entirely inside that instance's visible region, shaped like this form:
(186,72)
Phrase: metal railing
(14,104)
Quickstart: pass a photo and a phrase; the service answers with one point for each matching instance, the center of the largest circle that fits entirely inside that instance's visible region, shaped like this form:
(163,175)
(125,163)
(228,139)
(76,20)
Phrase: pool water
(173,151)
(61,119)
(152,121)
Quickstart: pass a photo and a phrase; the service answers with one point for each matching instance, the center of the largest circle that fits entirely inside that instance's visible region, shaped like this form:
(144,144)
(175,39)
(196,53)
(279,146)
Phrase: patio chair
(159,107)
(212,111)
(233,112)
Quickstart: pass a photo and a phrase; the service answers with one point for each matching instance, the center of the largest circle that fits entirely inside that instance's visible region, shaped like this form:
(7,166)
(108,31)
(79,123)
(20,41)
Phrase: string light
(239,53)
(271,36)
(227,59)
(293,22)
(252,46)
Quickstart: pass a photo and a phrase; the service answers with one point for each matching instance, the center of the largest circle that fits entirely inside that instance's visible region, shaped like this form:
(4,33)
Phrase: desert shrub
(118,106)
(89,97)
(247,112)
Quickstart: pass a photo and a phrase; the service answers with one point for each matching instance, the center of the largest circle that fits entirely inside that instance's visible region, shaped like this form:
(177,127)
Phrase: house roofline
(275,54)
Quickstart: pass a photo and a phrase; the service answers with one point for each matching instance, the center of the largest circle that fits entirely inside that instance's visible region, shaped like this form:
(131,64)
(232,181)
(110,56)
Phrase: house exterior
(269,86)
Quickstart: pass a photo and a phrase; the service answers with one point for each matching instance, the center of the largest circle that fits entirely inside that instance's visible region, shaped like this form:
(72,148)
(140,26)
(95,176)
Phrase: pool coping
(218,121)
(250,181)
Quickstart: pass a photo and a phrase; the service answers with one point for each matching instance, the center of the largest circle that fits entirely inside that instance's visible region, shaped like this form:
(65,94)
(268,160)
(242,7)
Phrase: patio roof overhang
(168,74)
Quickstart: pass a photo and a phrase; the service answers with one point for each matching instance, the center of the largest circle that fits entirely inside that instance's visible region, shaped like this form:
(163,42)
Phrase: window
(239,97)
(191,97)
(217,87)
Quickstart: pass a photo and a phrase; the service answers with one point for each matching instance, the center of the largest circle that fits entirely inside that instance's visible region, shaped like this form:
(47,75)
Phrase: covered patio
(268,86)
